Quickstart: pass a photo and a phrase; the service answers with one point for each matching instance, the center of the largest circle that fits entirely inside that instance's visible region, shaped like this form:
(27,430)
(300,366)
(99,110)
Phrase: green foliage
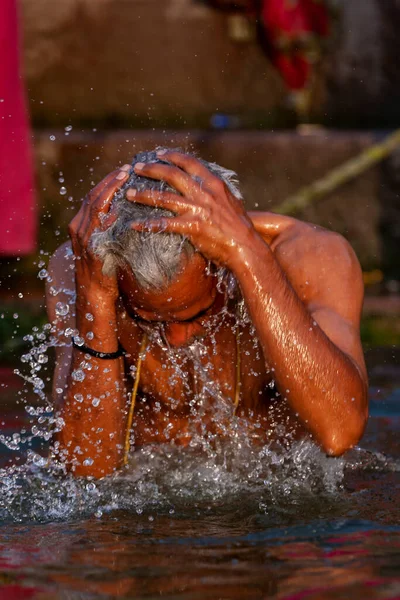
(380,331)
(15,323)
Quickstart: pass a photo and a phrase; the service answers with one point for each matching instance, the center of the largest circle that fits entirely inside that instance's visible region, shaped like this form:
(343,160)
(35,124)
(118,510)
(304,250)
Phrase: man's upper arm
(62,278)
(324,271)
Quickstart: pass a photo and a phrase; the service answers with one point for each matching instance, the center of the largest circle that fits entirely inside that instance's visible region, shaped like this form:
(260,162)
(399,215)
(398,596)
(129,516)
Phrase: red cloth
(291,27)
(17,205)
(18,592)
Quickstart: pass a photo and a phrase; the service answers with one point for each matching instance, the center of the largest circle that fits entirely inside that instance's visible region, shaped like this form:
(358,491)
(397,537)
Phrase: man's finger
(188,163)
(108,219)
(98,189)
(176,178)
(103,201)
(101,205)
(162,224)
(167,200)
(193,166)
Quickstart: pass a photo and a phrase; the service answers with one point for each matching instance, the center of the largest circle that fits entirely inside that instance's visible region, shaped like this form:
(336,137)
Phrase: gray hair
(155,258)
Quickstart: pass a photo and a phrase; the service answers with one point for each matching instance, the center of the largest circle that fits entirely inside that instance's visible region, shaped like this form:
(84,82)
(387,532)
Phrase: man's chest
(224,366)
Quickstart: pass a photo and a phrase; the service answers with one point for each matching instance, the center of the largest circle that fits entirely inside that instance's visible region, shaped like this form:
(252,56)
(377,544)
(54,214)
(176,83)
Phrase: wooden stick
(340,175)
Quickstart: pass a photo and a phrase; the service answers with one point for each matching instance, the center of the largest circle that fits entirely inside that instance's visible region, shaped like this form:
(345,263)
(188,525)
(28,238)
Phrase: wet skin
(302,288)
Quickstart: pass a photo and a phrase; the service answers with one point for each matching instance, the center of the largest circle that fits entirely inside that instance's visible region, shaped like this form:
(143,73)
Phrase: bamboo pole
(340,175)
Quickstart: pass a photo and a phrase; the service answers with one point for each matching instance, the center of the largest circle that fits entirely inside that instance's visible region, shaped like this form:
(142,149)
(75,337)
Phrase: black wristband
(103,355)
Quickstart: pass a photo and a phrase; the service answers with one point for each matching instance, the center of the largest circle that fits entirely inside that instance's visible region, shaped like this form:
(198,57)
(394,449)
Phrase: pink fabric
(17,205)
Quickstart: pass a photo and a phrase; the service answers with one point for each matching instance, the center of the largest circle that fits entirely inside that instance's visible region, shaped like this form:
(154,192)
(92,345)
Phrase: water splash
(213,470)
(168,479)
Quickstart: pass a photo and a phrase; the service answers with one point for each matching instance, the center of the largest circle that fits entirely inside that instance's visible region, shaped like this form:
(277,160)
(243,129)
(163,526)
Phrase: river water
(238,522)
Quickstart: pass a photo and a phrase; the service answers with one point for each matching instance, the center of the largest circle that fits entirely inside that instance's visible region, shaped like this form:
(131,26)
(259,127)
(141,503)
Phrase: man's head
(150,263)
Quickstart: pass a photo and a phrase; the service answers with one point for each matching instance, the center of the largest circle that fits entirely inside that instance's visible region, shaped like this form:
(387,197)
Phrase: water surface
(237,524)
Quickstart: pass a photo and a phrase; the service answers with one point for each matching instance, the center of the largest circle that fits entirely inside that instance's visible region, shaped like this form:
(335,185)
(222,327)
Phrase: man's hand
(93,215)
(206,212)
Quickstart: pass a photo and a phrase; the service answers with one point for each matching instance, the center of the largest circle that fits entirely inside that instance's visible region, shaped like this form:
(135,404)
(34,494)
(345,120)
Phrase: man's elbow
(337,441)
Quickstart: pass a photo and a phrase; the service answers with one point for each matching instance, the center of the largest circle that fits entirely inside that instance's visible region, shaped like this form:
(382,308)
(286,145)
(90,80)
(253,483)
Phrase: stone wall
(140,63)
(362,69)
(163,63)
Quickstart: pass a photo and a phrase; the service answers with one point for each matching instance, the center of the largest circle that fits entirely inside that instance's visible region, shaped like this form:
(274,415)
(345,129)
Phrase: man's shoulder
(320,264)
(307,243)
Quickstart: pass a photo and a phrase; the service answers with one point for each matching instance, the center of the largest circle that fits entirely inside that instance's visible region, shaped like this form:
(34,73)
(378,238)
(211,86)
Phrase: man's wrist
(252,252)
(79,344)
(96,323)
(95,300)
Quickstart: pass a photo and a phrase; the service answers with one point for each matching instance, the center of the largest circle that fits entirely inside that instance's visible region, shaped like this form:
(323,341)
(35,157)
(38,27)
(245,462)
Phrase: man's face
(192,292)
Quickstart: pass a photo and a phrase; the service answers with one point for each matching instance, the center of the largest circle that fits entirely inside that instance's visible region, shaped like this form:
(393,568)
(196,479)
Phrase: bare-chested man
(166,264)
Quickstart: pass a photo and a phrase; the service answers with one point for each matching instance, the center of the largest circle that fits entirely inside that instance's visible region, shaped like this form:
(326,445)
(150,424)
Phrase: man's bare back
(297,362)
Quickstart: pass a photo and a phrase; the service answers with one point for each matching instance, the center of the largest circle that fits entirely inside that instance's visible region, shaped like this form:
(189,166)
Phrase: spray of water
(215,469)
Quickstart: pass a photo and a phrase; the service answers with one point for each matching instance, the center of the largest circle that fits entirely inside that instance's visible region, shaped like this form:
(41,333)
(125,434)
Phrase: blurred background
(282,91)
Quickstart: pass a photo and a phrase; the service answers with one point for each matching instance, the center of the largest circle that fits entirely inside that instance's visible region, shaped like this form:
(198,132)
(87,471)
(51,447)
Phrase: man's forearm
(321,384)
(94,405)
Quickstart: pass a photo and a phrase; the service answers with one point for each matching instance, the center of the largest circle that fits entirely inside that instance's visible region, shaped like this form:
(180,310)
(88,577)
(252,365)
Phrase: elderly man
(192,314)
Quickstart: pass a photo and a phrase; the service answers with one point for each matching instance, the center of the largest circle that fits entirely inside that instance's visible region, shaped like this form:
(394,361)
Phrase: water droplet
(38,383)
(52,138)
(78,398)
(95,402)
(78,375)
(39,461)
(89,316)
(68,128)
(59,423)
(90,335)
(63,191)
(54,291)
(87,462)
(62,309)
(79,341)
(20,295)
(42,274)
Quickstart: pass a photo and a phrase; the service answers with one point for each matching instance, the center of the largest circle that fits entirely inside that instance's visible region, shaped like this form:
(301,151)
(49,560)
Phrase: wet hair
(155,258)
